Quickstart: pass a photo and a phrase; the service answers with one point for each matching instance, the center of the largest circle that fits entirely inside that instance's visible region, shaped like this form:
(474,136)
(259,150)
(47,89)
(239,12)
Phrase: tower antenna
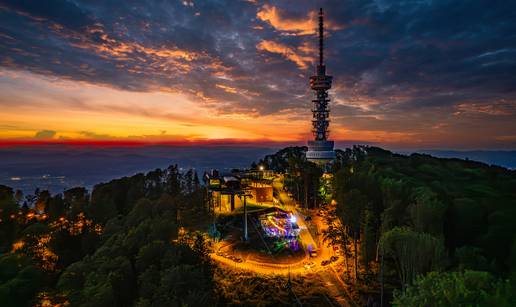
(321,37)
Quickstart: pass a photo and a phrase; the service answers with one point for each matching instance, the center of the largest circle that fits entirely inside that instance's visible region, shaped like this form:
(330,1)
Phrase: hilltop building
(227,193)
(320,150)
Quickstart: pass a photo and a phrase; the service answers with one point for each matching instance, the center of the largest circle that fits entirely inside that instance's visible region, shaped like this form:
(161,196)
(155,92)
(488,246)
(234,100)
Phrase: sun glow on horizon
(69,110)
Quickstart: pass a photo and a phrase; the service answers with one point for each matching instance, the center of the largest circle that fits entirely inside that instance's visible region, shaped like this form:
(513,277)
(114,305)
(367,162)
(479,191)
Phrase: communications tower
(320,150)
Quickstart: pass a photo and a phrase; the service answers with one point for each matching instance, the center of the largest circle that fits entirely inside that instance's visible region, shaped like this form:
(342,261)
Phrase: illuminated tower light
(320,150)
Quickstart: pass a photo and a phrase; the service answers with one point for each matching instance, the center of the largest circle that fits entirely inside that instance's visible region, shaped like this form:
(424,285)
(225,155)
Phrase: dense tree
(20,280)
(302,177)
(337,235)
(471,258)
(42,200)
(469,288)
(75,200)
(426,212)
(351,207)
(173,180)
(369,236)
(467,221)
(138,263)
(8,213)
(56,207)
(414,253)
(467,205)
(138,219)
(102,206)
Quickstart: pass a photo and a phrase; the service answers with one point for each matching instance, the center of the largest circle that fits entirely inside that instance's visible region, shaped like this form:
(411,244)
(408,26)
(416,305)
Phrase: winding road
(328,276)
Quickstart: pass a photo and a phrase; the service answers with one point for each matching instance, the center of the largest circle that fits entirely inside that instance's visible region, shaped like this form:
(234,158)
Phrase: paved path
(327,275)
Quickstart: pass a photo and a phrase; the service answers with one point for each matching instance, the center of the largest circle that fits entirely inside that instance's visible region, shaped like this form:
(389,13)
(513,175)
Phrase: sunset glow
(241,76)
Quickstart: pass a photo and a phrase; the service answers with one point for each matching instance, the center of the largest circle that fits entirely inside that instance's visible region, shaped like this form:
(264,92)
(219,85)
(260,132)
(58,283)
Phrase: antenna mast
(321,37)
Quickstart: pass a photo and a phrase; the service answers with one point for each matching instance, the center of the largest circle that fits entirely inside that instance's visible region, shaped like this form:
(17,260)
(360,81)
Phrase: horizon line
(11,143)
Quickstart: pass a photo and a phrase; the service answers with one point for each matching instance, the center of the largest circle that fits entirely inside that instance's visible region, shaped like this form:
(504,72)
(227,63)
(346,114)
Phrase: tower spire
(321,37)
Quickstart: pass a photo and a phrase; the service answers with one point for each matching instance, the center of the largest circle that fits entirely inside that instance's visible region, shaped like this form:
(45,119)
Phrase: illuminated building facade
(226,193)
(320,150)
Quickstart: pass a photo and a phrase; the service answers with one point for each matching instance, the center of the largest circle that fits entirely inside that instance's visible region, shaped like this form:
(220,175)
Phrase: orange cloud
(271,15)
(308,48)
(287,52)
(227,89)
(293,26)
(165,59)
(501,107)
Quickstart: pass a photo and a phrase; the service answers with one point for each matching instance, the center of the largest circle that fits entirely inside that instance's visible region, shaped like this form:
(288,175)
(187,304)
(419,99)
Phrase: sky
(407,74)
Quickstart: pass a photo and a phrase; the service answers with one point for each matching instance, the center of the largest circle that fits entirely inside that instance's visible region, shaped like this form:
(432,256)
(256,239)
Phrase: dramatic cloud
(301,26)
(280,21)
(409,73)
(287,52)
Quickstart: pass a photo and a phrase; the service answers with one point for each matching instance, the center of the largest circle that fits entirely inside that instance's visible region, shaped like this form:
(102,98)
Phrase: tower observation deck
(320,150)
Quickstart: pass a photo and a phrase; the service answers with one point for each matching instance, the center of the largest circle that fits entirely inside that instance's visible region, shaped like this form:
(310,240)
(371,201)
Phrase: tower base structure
(320,151)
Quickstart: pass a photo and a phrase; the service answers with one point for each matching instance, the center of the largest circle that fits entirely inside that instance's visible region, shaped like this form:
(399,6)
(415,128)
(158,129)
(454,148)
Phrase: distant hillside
(493,157)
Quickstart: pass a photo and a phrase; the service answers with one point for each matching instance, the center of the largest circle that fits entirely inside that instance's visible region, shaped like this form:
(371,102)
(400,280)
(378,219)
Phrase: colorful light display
(282,226)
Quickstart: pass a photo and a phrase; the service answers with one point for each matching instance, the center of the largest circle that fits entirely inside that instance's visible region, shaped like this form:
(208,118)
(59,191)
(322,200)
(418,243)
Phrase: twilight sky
(407,74)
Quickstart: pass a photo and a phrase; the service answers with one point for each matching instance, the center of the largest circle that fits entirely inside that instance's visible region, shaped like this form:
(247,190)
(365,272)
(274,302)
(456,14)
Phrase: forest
(414,230)
(118,246)
(418,230)
(134,241)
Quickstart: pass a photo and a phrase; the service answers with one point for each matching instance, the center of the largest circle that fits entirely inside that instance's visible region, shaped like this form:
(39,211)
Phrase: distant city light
(261,167)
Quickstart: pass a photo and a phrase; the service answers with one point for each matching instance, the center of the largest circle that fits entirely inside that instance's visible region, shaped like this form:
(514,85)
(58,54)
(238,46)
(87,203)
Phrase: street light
(261,168)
